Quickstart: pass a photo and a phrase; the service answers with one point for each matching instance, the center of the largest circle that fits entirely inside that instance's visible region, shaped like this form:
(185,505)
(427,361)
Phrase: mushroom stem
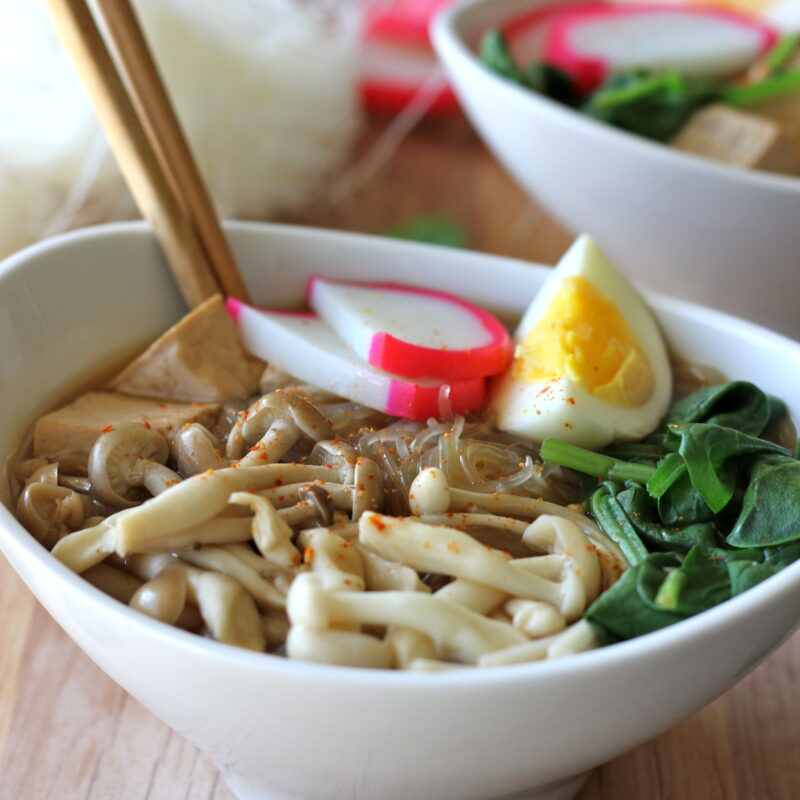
(458,633)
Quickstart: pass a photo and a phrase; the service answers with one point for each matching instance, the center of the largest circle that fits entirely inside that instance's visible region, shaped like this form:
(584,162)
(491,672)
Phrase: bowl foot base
(563,790)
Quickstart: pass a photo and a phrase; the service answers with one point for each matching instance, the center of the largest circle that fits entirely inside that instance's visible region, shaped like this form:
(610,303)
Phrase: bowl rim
(15,539)
(449,43)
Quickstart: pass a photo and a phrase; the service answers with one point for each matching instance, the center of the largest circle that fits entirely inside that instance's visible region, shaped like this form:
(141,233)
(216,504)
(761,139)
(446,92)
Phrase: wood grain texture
(67,732)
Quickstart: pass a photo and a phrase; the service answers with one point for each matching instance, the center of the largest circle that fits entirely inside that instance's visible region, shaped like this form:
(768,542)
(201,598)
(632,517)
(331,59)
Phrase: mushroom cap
(289,407)
(118,461)
(430,492)
(196,450)
(49,512)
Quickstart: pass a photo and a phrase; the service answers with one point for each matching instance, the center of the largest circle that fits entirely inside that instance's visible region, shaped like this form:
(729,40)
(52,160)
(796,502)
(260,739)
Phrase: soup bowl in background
(675,222)
(283,729)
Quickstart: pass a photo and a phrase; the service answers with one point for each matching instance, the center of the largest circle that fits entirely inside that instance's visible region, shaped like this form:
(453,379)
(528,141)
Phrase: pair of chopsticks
(145,136)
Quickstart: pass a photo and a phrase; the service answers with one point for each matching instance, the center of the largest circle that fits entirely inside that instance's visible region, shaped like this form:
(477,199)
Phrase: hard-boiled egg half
(590,366)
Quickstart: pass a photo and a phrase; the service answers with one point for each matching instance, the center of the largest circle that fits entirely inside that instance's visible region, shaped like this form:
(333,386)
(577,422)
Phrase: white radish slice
(412,332)
(304,346)
(592,42)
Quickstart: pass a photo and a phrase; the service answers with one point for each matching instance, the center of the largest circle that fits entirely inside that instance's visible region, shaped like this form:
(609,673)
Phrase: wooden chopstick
(162,125)
(150,183)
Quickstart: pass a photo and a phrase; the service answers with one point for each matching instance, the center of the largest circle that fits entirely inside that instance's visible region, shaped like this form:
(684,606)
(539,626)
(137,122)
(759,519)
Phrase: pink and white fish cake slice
(304,346)
(591,42)
(411,331)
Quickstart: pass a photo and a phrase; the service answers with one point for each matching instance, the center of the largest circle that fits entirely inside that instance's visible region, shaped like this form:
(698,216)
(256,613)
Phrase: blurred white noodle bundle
(266,90)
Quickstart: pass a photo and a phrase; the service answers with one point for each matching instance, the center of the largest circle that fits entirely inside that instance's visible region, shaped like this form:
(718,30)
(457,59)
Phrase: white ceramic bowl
(676,223)
(281,729)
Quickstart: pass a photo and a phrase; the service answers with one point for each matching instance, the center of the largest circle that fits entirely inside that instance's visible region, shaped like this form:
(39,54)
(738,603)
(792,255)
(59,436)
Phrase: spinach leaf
(710,453)
(781,555)
(643,515)
(494,53)
(770,513)
(540,77)
(628,609)
(707,582)
(745,575)
(683,505)
(652,104)
(615,523)
(736,404)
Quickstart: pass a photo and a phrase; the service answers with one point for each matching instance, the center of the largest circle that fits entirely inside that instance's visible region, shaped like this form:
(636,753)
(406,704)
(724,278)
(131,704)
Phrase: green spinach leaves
(703,509)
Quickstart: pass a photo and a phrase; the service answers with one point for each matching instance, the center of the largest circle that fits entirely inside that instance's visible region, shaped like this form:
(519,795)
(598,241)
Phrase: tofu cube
(74,428)
(740,138)
(201,358)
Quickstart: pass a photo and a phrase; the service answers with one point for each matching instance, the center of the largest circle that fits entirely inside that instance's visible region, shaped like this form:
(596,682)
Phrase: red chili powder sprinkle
(378,524)
(107,429)
(308,555)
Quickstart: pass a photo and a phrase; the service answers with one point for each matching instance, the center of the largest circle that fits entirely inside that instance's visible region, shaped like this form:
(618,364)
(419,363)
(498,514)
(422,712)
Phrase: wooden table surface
(68,732)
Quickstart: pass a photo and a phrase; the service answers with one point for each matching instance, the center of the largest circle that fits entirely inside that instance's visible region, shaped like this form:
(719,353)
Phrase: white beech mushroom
(280,419)
(195,450)
(114,582)
(276,627)
(534,618)
(342,647)
(381,574)
(126,457)
(409,645)
(457,633)
(229,612)
(578,638)
(475,596)
(431,494)
(272,535)
(562,537)
(49,512)
(163,597)
(195,500)
(337,565)
(447,551)
(336,560)
(47,473)
(337,455)
(280,577)
(220,559)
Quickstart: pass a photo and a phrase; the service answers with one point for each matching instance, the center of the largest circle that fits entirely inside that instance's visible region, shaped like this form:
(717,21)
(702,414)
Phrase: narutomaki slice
(411,331)
(592,42)
(304,346)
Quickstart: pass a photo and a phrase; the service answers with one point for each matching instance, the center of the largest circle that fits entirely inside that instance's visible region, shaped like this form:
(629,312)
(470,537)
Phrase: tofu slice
(199,359)
(74,428)
(740,138)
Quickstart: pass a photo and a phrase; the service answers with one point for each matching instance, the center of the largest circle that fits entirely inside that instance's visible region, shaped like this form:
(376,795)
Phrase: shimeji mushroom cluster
(301,558)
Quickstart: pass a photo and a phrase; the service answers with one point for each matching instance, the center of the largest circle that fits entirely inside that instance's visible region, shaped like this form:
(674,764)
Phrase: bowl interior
(71,308)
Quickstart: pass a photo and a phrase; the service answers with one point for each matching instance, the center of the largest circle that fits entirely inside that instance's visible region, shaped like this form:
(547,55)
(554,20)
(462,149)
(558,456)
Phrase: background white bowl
(281,729)
(676,223)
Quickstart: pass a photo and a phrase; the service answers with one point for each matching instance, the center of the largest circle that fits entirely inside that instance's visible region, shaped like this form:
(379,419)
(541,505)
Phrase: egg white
(557,406)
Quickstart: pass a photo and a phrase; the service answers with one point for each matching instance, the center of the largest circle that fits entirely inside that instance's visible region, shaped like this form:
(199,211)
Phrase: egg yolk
(583,336)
